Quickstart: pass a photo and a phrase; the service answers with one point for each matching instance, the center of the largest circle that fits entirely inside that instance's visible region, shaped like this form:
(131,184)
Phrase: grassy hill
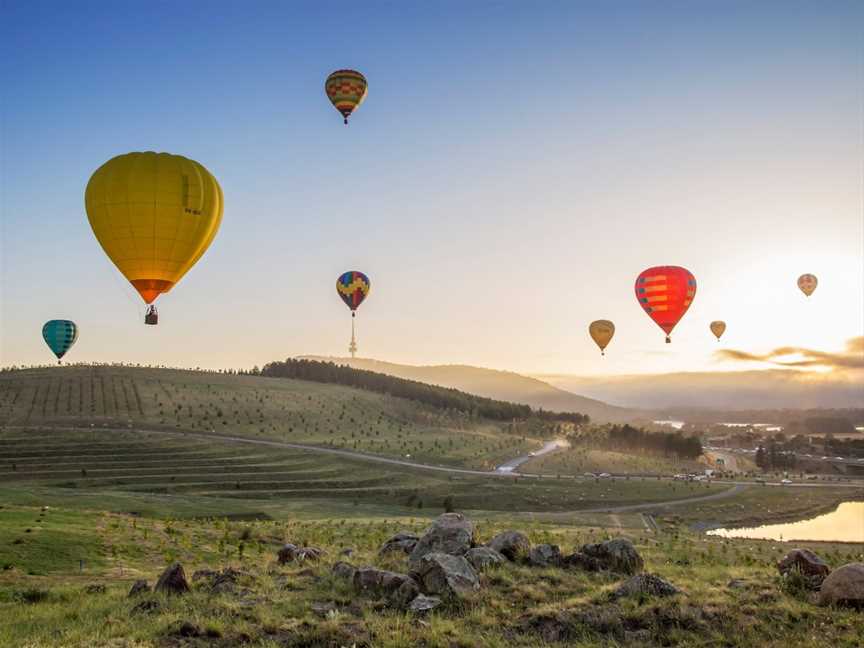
(502,385)
(66,585)
(257,407)
(107,474)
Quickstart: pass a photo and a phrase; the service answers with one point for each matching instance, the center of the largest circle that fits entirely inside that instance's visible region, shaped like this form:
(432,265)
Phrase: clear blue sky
(514,167)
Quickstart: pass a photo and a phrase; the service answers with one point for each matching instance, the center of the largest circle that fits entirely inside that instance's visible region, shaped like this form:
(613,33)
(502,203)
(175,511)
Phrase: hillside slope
(502,385)
(281,409)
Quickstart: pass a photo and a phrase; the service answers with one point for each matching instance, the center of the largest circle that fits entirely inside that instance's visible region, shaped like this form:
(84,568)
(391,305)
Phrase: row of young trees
(441,397)
(628,438)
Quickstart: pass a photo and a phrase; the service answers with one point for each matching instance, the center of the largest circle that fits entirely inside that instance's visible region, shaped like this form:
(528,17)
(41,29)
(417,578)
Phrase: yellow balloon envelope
(601,332)
(717,328)
(154,214)
(807,283)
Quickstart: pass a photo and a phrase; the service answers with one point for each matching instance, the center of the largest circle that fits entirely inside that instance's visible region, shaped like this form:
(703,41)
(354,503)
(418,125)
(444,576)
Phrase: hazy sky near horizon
(513,169)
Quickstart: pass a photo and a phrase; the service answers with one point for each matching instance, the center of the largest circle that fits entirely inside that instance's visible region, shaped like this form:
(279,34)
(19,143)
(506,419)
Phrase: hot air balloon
(60,335)
(352,287)
(807,283)
(717,328)
(601,332)
(154,214)
(346,90)
(665,292)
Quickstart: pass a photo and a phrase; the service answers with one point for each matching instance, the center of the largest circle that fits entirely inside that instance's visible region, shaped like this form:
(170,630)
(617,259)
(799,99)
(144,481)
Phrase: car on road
(839,459)
(785,482)
(604,475)
(532,454)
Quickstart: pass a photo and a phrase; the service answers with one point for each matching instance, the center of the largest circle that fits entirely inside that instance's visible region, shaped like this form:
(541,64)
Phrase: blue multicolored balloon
(60,335)
(352,287)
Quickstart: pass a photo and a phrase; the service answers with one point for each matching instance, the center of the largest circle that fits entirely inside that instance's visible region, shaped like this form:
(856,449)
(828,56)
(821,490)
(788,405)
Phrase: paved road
(513,464)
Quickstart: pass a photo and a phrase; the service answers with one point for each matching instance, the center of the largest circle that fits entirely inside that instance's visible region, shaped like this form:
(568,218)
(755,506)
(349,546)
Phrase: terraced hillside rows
(97,464)
(279,409)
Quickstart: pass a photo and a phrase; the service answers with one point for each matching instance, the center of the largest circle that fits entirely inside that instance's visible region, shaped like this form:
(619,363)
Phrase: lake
(845,524)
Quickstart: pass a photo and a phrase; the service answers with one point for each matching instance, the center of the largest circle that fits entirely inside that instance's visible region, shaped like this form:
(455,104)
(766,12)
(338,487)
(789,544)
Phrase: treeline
(774,458)
(440,397)
(628,439)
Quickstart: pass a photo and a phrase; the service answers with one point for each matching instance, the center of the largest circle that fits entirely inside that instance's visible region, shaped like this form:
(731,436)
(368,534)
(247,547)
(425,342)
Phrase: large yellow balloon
(718,328)
(154,214)
(601,332)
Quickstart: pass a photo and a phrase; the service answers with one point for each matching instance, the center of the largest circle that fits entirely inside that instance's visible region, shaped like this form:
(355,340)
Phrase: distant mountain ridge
(492,383)
(721,390)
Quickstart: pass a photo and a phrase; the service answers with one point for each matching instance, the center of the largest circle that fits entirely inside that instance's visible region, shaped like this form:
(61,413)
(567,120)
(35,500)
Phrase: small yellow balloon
(717,328)
(807,283)
(601,332)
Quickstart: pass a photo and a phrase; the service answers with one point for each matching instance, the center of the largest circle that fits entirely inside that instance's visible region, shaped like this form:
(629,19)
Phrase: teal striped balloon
(60,335)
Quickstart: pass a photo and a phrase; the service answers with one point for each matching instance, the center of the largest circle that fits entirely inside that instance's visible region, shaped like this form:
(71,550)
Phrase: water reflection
(846,524)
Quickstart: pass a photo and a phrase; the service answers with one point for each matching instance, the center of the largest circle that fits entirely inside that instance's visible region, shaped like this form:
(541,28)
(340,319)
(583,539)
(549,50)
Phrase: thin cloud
(851,358)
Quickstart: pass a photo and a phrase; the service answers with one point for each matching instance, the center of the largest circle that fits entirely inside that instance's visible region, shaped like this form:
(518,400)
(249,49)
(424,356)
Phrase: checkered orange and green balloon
(346,90)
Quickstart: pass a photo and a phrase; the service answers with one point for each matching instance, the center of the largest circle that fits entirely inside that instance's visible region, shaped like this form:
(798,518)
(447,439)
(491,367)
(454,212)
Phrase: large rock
(844,586)
(173,580)
(446,575)
(645,585)
(618,555)
(422,605)
(139,587)
(579,560)
(513,545)
(292,553)
(450,533)
(482,558)
(344,571)
(806,563)
(371,580)
(402,596)
(545,555)
(402,541)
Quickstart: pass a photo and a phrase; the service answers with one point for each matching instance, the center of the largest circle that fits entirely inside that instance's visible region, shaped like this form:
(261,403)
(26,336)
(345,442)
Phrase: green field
(266,408)
(91,464)
(107,474)
(44,597)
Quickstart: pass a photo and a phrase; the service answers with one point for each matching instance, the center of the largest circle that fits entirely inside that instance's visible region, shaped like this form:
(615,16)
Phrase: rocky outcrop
(378,582)
(173,580)
(450,533)
(446,575)
(403,542)
(811,568)
(513,545)
(645,585)
(545,555)
(482,558)
(579,560)
(844,586)
(403,595)
(618,555)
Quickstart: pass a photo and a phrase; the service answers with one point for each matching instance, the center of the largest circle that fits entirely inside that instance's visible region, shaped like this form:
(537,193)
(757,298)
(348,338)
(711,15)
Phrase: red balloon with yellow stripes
(665,293)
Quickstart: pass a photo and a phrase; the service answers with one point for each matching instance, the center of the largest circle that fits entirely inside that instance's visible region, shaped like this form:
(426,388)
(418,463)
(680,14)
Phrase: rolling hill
(721,390)
(491,383)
